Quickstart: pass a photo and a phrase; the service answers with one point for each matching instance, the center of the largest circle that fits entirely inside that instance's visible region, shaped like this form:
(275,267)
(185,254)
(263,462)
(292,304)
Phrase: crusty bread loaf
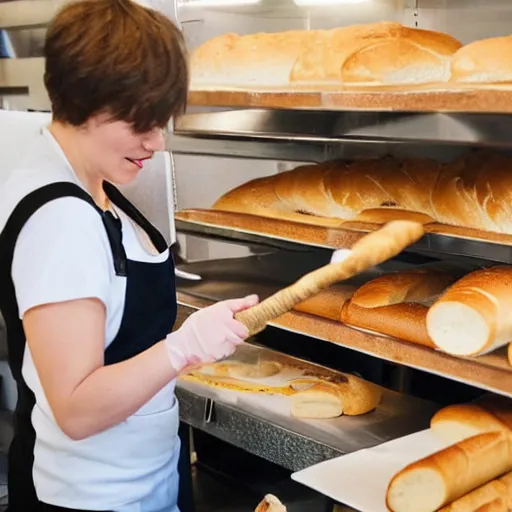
(433,482)
(491,413)
(320,401)
(473,191)
(270,504)
(486,61)
(396,304)
(416,285)
(249,61)
(357,396)
(388,53)
(377,53)
(493,496)
(328,303)
(473,316)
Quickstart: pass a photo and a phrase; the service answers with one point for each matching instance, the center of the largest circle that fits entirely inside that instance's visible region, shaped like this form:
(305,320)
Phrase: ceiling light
(218,3)
(314,3)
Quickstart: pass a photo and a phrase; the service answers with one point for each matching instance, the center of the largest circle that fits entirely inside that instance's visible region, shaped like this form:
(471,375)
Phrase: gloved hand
(209,334)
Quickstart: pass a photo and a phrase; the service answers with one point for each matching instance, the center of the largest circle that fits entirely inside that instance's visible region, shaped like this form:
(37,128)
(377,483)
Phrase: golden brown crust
(328,303)
(487,292)
(460,468)
(401,321)
(417,285)
(483,62)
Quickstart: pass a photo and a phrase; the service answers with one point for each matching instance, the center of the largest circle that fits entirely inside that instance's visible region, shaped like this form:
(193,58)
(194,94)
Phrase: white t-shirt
(62,254)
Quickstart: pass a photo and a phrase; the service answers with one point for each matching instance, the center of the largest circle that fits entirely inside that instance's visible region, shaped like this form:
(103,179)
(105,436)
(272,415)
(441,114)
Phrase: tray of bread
(446,317)
(341,410)
(462,463)
(331,204)
(376,66)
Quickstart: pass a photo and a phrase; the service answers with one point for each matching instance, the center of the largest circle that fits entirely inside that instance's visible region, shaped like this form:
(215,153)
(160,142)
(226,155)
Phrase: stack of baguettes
(377,54)
(459,310)
(473,474)
(473,191)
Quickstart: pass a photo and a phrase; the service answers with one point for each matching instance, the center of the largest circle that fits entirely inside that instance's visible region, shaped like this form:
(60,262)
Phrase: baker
(86,281)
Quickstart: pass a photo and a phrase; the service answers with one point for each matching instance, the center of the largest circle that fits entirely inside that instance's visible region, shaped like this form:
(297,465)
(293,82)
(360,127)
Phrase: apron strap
(136,215)
(8,237)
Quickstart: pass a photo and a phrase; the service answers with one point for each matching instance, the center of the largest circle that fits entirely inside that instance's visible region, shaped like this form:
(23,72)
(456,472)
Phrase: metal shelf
(320,135)
(490,372)
(246,421)
(432,244)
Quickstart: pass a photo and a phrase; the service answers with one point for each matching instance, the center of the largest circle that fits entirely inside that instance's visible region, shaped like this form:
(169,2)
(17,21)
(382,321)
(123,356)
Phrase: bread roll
(357,396)
(433,482)
(270,504)
(493,496)
(486,61)
(328,303)
(473,316)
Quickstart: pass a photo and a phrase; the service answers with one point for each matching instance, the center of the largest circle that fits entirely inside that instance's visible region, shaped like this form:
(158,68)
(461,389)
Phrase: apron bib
(137,459)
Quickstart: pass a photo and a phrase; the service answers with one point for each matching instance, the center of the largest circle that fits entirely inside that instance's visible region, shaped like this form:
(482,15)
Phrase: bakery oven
(311,125)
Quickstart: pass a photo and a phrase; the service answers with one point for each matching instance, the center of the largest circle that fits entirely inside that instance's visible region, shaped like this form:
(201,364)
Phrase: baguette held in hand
(369,251)
(431,483)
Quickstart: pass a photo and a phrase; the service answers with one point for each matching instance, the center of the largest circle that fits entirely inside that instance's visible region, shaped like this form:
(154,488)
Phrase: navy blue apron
(149,315)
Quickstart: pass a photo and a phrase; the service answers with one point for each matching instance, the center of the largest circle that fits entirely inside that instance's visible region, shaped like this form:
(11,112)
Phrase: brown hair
(118,57)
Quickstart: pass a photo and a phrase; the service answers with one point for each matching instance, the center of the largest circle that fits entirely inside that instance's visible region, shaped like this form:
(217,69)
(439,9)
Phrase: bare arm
(67,344)
(66,340)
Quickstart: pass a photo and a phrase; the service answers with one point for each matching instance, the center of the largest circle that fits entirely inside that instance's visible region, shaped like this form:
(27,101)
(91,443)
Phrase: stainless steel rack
(432,244)
(313,135)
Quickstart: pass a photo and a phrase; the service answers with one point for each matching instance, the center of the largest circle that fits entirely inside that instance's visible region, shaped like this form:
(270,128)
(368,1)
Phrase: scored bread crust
(473,191)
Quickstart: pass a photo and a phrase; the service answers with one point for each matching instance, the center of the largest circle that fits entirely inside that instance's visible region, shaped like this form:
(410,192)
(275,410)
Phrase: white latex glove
(209,334)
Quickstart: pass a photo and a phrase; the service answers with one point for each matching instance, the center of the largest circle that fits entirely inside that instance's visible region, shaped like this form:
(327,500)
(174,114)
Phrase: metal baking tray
(262,424)
(432,244)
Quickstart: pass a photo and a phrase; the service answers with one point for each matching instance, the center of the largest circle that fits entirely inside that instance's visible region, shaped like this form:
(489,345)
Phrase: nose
(154,140)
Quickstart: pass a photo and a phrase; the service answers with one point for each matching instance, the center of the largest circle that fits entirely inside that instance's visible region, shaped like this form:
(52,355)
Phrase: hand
(209,334)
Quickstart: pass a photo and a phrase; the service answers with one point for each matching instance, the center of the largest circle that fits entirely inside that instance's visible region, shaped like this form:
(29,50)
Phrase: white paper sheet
(360,479)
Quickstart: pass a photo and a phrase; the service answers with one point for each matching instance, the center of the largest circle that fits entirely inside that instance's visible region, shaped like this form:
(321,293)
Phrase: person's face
(116,152)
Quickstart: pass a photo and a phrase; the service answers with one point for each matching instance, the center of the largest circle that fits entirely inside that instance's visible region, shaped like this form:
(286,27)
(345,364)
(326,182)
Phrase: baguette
(473,316)
(431,483)
(473,191)
(394,304)
(457,422)
(493,496)
(357,396)
(328,303)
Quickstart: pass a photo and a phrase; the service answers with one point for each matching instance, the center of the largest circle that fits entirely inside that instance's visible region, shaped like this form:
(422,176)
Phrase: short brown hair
(118,57)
